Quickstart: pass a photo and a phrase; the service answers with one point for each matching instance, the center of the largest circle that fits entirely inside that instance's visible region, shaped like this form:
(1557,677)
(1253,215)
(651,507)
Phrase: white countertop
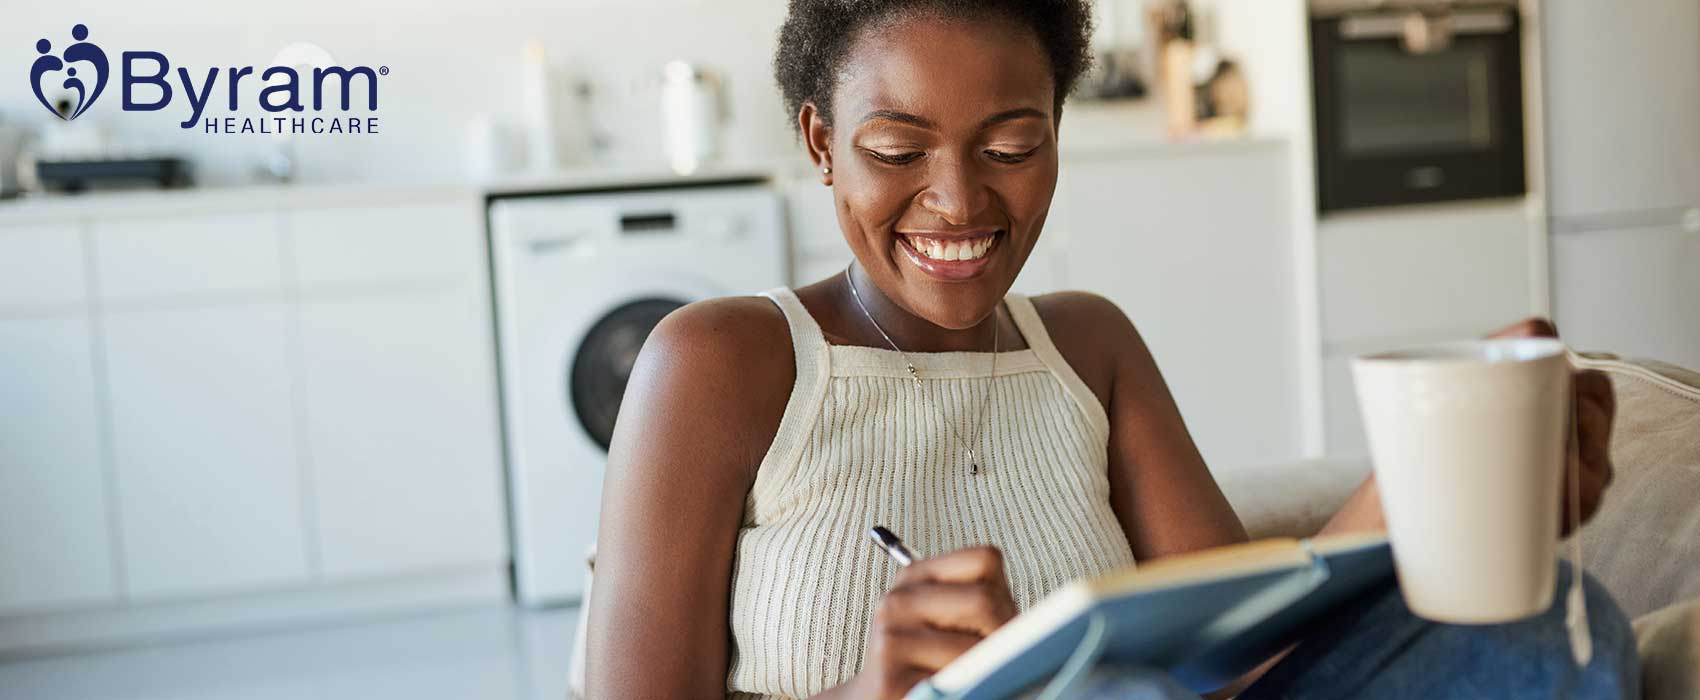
(1077,144)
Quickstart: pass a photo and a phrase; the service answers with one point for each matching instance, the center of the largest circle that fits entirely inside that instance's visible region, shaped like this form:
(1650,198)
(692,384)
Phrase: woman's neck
(909,332)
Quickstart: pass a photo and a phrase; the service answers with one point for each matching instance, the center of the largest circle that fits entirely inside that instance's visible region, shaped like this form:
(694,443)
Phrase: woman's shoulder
(1091,333)
(744,336)
(727,360)
(1072,308)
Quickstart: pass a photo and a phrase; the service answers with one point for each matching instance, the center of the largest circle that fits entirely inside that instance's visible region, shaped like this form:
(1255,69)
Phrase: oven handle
(1394,26)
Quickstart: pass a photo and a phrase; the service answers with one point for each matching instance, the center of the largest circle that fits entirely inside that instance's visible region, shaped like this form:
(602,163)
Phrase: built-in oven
(1416,101)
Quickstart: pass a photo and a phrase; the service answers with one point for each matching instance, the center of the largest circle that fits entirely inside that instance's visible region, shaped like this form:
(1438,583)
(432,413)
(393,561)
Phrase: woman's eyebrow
(896,116)
(1009,115)
(923,122)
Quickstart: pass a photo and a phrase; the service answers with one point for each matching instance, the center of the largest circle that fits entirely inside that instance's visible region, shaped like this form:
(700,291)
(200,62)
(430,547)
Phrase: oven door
(1413,109)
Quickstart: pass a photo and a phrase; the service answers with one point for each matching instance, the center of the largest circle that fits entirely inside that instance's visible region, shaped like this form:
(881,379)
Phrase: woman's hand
(937,608)
(1596,406)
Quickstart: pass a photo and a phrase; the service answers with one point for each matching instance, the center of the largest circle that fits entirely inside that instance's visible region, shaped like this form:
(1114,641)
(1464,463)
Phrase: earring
(826,171)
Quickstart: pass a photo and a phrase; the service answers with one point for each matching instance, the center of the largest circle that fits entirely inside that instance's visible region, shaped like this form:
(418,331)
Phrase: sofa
(1643,543)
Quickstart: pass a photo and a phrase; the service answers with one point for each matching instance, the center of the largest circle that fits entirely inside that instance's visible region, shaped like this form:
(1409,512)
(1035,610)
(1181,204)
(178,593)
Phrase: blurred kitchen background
(323,415)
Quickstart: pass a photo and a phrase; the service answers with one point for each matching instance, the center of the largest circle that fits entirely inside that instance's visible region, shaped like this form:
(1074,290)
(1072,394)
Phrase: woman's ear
(817,138)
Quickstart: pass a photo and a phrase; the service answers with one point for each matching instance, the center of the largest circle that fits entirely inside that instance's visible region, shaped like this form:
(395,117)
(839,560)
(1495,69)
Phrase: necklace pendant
(973,467)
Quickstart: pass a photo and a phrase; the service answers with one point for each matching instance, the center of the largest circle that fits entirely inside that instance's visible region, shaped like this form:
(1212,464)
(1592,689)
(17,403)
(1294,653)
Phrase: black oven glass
(1399,125)
(1394,101)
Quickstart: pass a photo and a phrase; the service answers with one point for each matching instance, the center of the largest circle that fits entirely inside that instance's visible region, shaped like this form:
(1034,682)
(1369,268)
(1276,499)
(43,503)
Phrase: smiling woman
(1015,443)
(936,125)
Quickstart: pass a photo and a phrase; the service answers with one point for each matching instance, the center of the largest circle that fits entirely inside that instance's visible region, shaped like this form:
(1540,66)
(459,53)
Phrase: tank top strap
(802,409)
(1033,329)
(807,340)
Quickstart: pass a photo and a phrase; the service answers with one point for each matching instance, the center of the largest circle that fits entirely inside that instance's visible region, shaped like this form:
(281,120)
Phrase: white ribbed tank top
(859,445)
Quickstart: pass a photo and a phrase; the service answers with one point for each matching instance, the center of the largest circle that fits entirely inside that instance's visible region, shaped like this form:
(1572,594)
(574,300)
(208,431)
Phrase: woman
(762,436)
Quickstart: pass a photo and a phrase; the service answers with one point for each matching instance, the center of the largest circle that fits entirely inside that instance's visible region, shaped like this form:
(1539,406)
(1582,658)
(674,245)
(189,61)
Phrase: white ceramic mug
(1468,444)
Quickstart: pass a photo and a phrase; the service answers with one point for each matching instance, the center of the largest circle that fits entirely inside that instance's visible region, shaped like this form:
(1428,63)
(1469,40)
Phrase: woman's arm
(702,406)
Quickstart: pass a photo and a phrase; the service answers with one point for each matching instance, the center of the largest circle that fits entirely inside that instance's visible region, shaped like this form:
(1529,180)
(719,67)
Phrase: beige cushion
(1294,499)
(1669,643)
(1644,543)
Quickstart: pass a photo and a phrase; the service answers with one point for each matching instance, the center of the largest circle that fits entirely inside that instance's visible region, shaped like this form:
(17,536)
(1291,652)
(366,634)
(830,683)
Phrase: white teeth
(952,250)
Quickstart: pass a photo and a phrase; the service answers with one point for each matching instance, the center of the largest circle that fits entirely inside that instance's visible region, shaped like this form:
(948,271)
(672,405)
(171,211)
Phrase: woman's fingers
(1596,407)
(984,563)
(1532,327)
(976,608)
(936,610)
(927,649)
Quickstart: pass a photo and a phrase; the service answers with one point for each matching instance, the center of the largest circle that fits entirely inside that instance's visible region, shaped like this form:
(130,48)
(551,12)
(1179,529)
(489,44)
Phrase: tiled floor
(485,654)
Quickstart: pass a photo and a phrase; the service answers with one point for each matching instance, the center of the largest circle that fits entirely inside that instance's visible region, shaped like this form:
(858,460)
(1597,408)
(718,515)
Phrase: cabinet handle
(549,245)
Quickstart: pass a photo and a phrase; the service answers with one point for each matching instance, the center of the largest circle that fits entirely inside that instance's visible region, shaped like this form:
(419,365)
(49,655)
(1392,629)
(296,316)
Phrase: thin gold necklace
(985,398)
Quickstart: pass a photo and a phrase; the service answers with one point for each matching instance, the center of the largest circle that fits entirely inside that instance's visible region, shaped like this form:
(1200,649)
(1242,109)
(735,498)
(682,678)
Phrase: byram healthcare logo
(80,51)
(69,83)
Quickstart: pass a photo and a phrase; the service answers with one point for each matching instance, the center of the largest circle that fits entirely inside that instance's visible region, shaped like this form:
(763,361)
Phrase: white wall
(449,63)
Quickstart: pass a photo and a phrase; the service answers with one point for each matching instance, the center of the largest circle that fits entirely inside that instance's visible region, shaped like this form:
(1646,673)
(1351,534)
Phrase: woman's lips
(951,270)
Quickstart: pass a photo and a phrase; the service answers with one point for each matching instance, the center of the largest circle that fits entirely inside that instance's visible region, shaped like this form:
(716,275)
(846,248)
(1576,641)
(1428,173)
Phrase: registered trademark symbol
(383,70)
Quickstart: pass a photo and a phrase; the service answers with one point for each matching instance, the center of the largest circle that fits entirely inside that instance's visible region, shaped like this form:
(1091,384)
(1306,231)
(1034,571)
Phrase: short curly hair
(817,35)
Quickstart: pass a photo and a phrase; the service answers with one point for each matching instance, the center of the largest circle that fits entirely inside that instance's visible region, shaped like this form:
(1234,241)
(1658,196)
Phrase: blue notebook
(1206,617)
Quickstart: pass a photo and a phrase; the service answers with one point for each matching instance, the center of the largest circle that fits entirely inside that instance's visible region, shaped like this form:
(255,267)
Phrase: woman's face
(943,156)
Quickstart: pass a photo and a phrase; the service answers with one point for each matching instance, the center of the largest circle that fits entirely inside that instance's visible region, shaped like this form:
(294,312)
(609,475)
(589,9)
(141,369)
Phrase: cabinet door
(209,485)
(1210,286)
(54,538)
(402,433)
(387,244)
(189,255)
(1622,105)
(1455,270)
(1634,292)
(41,266)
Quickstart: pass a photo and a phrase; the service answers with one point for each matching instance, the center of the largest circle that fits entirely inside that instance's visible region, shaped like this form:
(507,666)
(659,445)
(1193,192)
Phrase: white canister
(692,109)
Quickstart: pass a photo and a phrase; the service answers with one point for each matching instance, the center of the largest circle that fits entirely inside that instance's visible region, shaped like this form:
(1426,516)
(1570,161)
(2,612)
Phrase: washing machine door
(597,372)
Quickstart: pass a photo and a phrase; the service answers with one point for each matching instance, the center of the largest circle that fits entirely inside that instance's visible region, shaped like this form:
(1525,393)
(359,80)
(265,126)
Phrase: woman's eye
(896,158)
(1007,157)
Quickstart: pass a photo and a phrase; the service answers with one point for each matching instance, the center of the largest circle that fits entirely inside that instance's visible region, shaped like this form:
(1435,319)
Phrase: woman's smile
(950,256)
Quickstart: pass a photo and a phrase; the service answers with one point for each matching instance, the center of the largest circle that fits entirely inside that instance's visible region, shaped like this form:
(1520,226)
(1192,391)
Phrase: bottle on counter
(1175,85)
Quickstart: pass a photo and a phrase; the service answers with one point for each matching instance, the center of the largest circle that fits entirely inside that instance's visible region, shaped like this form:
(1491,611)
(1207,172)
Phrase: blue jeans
(1375,648)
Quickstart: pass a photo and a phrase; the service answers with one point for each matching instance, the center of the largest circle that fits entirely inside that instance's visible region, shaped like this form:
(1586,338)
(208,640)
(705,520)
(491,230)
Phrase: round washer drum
(603,363)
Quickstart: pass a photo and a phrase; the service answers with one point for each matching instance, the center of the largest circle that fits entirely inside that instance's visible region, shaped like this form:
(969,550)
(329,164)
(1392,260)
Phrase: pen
(891,545)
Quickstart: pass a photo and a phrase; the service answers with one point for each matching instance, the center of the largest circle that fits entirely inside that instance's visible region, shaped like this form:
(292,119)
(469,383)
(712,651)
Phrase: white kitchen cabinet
(402,434)
(1634,292)
(1622,95)
(386,244)
(818,249)
(1206,272)
(55,544)
(204,444)
(1458,270)
(218,406)
(201,254)
(41,265)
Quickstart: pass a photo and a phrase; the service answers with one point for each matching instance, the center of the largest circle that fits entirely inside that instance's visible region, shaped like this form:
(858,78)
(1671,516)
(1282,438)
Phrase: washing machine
(580,280)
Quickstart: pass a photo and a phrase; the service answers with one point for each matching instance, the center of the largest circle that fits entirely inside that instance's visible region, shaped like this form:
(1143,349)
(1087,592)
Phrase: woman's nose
(955,194)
